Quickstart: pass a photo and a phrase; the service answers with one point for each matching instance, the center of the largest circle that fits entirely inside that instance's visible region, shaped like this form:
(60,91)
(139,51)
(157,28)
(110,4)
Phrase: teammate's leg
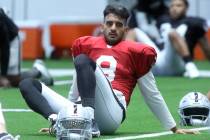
(40,71)
(14,74)
(181,47)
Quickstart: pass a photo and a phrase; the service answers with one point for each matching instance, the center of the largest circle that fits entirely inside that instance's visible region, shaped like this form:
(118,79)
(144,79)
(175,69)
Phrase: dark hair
(186,3)
(118,10)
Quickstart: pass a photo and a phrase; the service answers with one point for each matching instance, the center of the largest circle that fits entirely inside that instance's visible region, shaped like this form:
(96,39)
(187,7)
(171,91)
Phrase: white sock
(53,117)
(90,110)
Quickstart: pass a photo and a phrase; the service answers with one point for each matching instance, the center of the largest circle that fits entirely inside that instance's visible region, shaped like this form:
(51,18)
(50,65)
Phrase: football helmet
(73,123)
(194,109)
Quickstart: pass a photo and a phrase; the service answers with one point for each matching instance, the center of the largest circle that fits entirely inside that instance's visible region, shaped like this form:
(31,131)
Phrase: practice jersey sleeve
(144,59)
(81,46)
(155,101)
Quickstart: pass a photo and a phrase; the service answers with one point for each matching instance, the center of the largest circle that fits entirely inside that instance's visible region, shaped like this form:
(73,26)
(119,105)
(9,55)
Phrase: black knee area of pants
(82,61)
(26,85)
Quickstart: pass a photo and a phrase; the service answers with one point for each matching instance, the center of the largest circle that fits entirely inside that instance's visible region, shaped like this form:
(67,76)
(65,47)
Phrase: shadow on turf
(36,134)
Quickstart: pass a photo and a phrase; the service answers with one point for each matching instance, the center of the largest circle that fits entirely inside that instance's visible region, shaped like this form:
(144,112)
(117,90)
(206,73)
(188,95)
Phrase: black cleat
(95,129)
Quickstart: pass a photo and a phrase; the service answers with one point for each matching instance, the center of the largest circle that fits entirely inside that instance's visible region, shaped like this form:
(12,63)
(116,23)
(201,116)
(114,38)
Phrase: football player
(107,70)
(10,56)
(180,34)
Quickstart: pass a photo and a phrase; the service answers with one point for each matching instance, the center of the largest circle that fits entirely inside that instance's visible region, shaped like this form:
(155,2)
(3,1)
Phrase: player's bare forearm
(176,130)
(205,46)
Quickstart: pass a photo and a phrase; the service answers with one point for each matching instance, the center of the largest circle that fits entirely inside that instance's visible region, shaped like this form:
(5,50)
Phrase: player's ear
(102,26)
(126,29)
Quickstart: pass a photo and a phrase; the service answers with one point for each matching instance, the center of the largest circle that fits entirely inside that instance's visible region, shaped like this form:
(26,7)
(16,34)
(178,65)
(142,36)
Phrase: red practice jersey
(123,64)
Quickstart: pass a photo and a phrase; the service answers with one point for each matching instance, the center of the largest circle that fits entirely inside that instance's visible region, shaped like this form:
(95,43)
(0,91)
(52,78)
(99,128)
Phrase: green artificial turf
(139,118)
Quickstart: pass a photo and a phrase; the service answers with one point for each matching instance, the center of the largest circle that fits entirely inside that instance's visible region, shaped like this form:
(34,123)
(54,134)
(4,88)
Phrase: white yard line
(61,72)
(58,72)
(16,110)
(153,134)
(69,72)
(204,73)
(64,82)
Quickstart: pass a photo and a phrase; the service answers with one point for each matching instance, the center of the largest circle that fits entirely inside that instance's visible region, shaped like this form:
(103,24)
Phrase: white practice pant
(109,109)
(168,60)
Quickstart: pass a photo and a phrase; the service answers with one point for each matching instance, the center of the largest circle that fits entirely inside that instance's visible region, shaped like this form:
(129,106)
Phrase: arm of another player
(203,41)
(157,105)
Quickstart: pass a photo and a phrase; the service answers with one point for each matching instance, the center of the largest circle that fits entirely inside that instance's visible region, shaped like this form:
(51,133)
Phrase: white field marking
(64,82)
(59,72)
(204,73)
(154,134)
(17,110)
(70,72)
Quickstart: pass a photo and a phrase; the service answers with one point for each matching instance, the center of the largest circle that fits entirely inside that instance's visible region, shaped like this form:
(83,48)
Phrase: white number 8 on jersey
(109,71)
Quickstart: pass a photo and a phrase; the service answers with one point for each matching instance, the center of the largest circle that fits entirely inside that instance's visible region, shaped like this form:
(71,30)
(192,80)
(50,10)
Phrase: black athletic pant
(31,91)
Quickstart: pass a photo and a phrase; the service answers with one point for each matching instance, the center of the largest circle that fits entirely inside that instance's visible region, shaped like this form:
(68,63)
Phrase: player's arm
(155,101)
(203,41)
(157,105)
(199,27)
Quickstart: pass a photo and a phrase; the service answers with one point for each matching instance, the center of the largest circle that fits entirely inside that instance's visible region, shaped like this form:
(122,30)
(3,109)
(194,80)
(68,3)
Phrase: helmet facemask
(195,116)
(194,109)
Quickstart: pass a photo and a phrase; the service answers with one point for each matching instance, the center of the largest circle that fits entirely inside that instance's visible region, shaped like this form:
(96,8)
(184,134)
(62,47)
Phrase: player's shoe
(95,129)
(7,136)
(45,75)
(52,118)
(191,70)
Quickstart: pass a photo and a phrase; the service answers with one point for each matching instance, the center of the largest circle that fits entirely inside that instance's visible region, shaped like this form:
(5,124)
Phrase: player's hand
(44,130)
(4,82)
(186,131)
(48,131)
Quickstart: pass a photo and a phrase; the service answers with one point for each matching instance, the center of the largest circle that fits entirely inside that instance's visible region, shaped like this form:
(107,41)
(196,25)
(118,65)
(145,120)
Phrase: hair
(186,3)
(118,10)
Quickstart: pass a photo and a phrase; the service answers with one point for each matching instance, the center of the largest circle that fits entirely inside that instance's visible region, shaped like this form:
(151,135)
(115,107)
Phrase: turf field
(139,118)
